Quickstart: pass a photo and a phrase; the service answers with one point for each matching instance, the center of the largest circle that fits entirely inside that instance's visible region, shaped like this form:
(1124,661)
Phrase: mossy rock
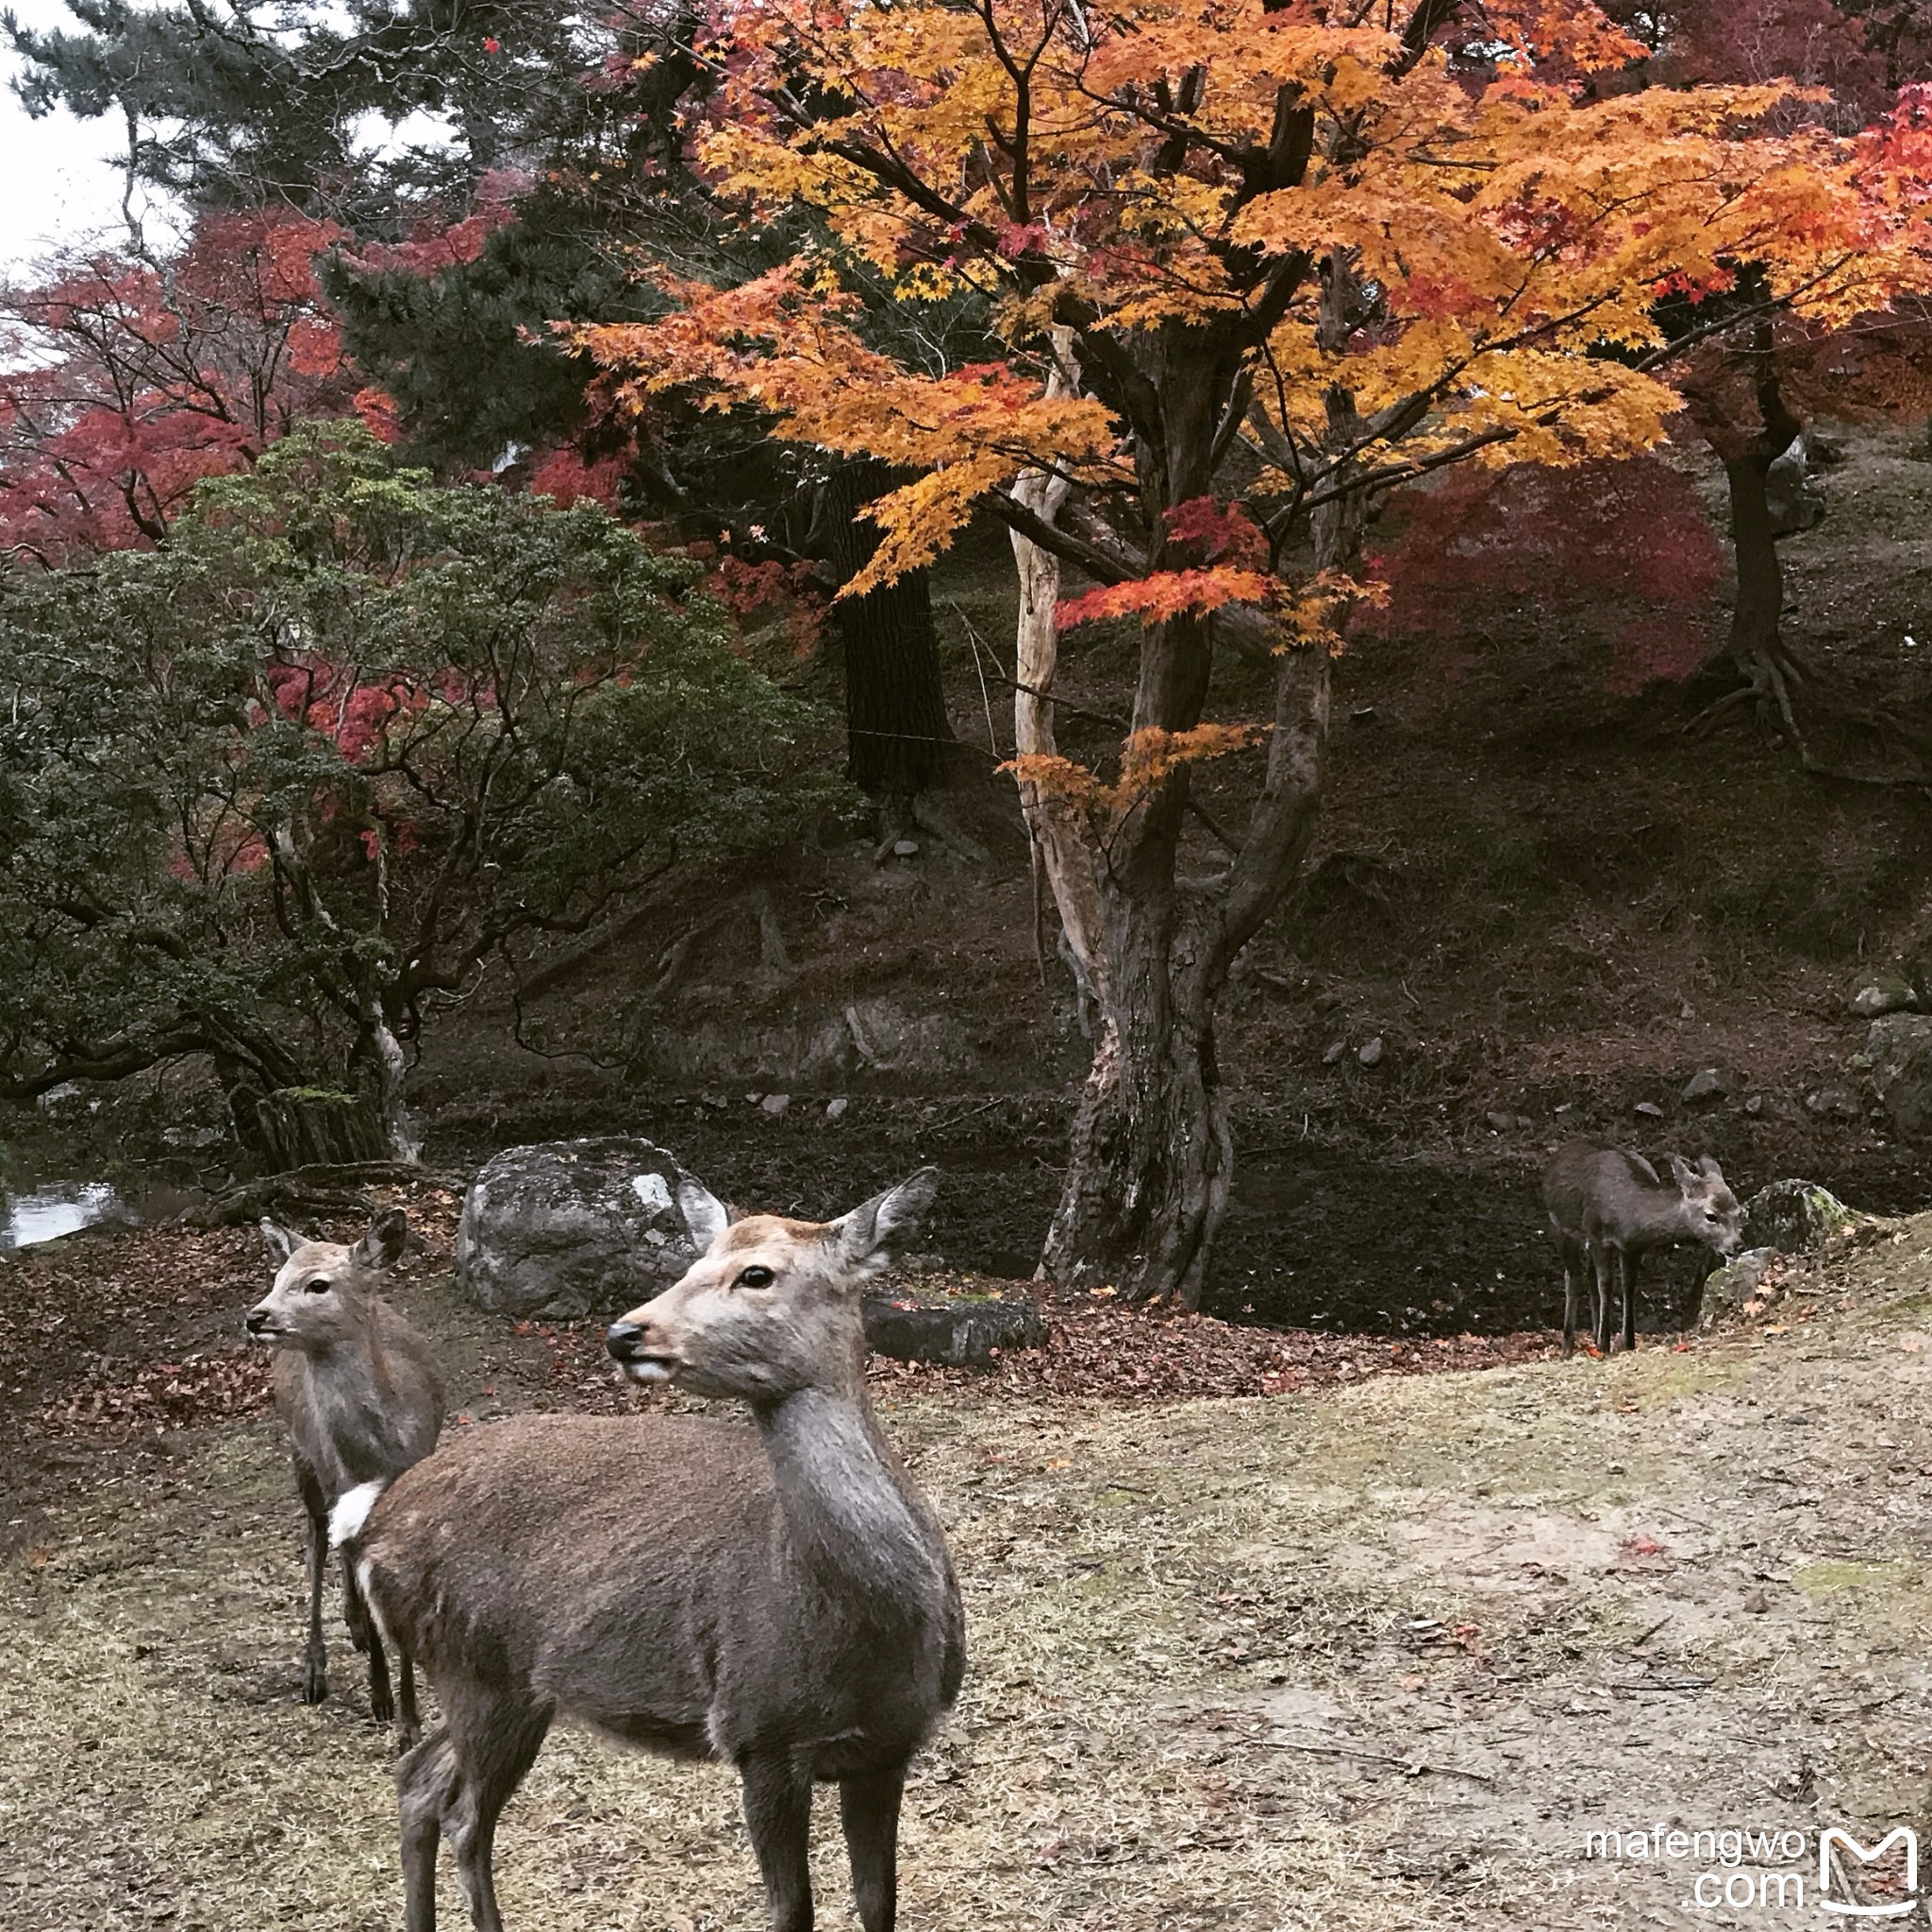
(1792,1216)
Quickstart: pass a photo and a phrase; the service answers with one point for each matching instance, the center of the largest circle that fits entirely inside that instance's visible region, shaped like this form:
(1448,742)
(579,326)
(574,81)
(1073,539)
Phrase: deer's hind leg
(365,1636)
(869,1811)
(1572,1289)
(1604,1264)
(455,1785)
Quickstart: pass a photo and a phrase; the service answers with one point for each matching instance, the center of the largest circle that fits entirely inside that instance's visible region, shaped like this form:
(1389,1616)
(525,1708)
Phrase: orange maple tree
(1249,265)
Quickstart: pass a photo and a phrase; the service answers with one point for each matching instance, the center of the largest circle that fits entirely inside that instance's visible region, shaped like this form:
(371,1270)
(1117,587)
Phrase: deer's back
(1594,1189)
(628,1572)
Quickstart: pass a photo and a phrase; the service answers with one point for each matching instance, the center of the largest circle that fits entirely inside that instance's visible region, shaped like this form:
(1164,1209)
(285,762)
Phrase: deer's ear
(1709,1169)
(282,1242)
(1685,1175)
(704,1213)
(384,1239)
(867,1235)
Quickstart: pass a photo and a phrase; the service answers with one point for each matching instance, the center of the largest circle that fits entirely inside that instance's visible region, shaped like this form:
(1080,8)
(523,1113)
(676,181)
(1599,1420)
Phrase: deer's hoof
(382,1707)
(314,1687)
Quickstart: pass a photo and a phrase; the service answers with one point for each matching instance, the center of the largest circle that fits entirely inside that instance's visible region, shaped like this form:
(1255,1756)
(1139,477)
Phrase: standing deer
(776,1596)
(359,1390)
(1609,1206)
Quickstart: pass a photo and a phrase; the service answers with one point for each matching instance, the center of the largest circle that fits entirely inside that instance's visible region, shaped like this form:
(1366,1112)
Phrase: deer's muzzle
(629,1346)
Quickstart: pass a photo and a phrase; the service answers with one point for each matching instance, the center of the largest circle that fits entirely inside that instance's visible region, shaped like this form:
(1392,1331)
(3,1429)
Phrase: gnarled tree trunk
(1152,1157)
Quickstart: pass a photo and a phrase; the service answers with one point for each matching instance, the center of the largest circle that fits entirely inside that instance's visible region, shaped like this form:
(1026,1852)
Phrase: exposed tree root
(1771,674)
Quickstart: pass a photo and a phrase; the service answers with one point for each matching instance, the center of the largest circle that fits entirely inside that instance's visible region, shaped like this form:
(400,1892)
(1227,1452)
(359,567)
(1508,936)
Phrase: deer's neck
(352,1373)
(845,1511)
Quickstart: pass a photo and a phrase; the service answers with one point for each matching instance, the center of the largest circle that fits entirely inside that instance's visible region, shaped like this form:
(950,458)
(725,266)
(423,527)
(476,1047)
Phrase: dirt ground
(1367,1656)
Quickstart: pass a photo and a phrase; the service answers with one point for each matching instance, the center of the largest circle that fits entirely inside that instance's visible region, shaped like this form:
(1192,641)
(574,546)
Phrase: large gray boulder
(1900,1049)
(569,1228)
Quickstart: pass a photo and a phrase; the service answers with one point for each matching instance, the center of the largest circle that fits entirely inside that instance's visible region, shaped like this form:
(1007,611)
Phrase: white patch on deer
(351,1512)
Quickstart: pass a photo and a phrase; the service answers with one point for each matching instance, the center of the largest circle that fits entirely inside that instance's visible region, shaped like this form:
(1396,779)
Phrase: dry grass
(1364,1661)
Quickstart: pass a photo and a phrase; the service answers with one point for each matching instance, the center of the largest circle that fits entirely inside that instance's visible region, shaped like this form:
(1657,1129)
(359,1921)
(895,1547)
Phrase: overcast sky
(57,181)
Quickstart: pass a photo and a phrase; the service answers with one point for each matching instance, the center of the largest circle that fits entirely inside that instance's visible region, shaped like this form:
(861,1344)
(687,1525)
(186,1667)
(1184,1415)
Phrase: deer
(774,1595)
(357,1389)
(1609,1206)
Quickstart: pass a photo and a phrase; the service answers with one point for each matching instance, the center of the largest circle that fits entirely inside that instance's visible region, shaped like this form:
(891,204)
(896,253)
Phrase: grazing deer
(359,1390)
(778,1596)
(1609,1205)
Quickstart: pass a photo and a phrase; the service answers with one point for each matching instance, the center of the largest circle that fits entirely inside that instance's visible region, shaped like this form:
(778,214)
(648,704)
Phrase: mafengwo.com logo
(1737,1870)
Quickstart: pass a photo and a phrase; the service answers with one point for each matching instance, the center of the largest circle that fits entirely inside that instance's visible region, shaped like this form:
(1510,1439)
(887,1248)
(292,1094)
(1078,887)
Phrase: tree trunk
(1152,1157)
(310,1126)
(381,1053)
(1755,643)
(898,739)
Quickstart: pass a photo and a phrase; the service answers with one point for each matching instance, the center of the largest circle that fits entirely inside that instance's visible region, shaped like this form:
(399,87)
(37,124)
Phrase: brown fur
(777,1596)
(359,1390)
(1608,1207)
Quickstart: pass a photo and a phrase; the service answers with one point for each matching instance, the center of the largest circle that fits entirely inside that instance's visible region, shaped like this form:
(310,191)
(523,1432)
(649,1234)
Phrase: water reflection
(44,1214)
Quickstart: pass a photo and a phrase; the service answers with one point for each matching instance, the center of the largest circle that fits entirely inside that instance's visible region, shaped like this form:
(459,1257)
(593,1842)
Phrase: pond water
(44,1213)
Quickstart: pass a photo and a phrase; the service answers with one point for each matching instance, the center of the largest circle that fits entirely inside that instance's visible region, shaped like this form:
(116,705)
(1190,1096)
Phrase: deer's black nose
(621,1339)
(255,1320)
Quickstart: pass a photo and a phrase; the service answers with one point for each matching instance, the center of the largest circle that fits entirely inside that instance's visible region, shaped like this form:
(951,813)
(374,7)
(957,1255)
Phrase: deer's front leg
(315,1658)
(777,1813)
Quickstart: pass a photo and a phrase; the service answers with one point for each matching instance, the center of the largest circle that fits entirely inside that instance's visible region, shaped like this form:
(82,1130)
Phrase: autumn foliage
(1622,549)
(128,381)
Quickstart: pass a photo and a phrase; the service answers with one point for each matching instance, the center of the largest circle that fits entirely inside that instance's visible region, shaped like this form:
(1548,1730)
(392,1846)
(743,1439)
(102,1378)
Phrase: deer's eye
(757,1277)
(320,1284)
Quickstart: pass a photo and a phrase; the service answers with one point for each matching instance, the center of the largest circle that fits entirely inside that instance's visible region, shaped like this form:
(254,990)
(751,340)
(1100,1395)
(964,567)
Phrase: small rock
(1363,714)
(1793,1215)
(1757,1602)
(714,1100)
(1705,1083)
(1686,1011)
(1369,1052)
(835,1109)
(775,1102)
(1755,1106)
(1650,1109)
(1501,1122)
(1613,1469)
(904,848)
(1336,1050)
(753,1099)
(1727,1289)
(1883,992)
(1834,1100)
